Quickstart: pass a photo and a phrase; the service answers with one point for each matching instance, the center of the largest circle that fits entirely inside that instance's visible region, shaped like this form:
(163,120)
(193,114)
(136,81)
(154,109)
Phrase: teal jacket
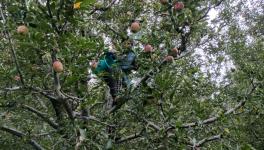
(106,63)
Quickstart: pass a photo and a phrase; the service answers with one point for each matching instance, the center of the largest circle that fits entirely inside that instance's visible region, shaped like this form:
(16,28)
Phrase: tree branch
(57,86)
(149,74)
(21,135)
(42,115)
(206,140)
(130,137)
(213,119)
(208,10)
(93,118)
(43,93)
(11,89)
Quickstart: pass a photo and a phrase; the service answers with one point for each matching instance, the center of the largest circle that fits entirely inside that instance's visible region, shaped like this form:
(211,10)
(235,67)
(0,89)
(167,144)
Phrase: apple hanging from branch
(178,6)
(57,66)
(148,48)
(22,29)
(169,58)
(135,27)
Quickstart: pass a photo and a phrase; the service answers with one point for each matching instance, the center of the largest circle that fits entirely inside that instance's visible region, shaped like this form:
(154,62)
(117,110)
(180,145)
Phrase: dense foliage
(210,96)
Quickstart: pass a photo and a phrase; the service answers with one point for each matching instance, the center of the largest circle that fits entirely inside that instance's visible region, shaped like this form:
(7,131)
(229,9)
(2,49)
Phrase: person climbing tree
(115,70)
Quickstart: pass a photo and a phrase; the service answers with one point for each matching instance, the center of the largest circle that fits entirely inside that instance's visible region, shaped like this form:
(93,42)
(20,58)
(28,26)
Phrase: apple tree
(196,79)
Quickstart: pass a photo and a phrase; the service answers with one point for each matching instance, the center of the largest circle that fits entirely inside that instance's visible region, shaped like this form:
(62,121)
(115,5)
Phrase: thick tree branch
(42,92)
(57,86)
(42,116)
(21,135)
(122,100)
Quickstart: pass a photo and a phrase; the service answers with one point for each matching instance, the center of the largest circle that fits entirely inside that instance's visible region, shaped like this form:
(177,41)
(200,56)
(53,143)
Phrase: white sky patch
(212,14)
(209,62)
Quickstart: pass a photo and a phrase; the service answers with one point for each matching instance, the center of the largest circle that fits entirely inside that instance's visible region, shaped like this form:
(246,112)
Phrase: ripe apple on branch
(57,66)
(178,6)
(22,29)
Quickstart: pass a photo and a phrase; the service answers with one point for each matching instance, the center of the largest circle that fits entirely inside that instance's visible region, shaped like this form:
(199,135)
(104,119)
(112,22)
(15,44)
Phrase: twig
(51,17)
(42,92)
(73,97)
(208,10)
(130,137)
(93,118)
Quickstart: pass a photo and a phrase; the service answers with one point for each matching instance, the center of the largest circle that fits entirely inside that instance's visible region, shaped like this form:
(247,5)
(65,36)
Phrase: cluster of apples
(57,65)
(135,27)
(173,53)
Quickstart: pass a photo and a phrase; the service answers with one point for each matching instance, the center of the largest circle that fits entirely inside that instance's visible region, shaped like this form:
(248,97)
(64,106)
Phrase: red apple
(169,58)
(148,48)
(22,29)
(135,27)
(178,6)
(57,66)
(163,2)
